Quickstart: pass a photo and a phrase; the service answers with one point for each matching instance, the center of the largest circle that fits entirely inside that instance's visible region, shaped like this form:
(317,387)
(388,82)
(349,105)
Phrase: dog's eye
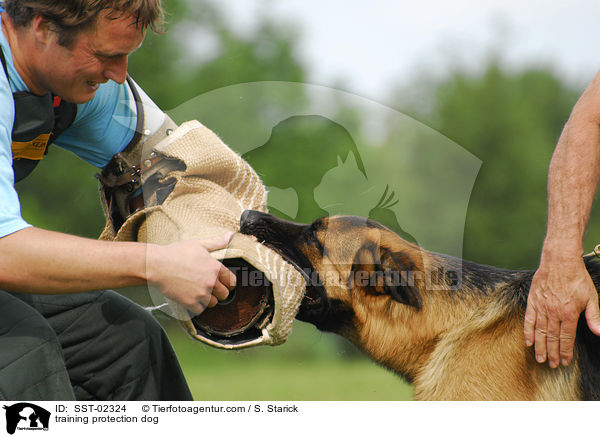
(313,240)
(309,235)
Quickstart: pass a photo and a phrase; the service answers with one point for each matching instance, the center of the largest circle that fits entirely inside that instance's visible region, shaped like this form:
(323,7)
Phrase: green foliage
(511,121)
(299,152)
(62,195)
(171,67)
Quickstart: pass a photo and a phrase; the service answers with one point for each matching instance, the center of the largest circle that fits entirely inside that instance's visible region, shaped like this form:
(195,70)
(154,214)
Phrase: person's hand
(560,291)
(187,273)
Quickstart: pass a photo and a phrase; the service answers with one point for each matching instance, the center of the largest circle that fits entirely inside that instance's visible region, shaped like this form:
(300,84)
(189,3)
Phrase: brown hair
(69,17)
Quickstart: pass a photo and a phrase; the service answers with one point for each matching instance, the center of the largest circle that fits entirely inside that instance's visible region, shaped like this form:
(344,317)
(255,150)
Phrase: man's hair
(69,17)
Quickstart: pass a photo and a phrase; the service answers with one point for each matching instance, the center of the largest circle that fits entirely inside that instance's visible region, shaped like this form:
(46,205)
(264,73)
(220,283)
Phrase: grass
(309,367)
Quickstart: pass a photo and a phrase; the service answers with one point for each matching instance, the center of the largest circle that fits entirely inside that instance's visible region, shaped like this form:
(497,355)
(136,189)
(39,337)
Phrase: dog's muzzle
(285,238)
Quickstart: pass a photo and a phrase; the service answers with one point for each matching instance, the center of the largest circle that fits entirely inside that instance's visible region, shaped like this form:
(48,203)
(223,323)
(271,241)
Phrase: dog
(450,327)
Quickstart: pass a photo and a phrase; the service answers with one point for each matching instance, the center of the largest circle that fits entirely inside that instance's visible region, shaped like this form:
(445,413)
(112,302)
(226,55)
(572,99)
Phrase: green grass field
(310,366)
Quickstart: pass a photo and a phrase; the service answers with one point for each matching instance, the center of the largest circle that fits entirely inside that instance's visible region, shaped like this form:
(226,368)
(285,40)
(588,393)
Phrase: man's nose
(116,69)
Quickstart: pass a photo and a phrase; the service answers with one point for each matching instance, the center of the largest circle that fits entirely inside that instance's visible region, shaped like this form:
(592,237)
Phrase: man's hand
(560,291)
(187,273)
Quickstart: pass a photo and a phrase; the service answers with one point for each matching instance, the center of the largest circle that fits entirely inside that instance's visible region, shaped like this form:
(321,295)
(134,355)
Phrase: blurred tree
(287,159)
(511,121)
(62,195)
(202,52)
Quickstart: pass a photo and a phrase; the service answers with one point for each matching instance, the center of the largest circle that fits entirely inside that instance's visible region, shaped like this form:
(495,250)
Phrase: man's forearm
(37,261)
(573,177)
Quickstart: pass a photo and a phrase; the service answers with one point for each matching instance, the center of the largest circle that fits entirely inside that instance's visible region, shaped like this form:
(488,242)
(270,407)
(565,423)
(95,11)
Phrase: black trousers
(88,346)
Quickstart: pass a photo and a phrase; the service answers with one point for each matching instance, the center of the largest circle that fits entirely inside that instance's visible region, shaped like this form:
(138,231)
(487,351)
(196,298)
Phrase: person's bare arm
(33,260)
(562,288)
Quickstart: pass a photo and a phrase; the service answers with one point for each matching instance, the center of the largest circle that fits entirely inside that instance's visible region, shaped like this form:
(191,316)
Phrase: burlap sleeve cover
(207,199)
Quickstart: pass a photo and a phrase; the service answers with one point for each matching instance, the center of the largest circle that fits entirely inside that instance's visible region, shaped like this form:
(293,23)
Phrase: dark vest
(39,120)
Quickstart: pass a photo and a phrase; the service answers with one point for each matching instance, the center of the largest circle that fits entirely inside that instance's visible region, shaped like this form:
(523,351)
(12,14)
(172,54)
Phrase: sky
(371,45)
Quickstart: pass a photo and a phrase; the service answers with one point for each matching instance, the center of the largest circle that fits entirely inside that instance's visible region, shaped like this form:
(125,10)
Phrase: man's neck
(18,47)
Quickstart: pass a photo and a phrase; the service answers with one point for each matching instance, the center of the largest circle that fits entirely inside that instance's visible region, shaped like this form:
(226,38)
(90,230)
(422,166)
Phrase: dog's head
(350,264)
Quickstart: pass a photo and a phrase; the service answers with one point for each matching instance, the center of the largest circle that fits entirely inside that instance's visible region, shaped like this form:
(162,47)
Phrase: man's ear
(378,270)
(42,30)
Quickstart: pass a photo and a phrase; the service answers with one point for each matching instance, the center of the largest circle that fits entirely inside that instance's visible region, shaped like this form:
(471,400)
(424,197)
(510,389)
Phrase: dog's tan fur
(464,344)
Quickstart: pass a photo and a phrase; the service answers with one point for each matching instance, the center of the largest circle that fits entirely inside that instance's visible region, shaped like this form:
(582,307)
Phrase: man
(562,288)
(58,339)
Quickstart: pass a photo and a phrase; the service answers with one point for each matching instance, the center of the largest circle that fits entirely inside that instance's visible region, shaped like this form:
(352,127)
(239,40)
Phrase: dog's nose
(244,217)
(255,222)
(251,218)
(267,226)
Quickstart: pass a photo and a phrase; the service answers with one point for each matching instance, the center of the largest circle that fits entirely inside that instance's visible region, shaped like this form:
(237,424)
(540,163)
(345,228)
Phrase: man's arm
(33,260)
(562,288)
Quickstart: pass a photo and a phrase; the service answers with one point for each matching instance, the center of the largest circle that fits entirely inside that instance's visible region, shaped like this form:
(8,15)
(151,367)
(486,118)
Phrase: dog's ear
(378,270)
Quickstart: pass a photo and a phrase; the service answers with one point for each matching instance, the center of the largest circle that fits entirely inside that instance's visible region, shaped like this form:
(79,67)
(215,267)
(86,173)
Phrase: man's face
(97,55)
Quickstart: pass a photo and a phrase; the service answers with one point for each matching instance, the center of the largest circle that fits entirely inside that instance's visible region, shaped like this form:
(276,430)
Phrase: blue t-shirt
(103,126)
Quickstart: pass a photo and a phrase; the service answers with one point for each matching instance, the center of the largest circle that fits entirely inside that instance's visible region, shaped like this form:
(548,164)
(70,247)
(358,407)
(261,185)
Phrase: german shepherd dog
(460,338)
